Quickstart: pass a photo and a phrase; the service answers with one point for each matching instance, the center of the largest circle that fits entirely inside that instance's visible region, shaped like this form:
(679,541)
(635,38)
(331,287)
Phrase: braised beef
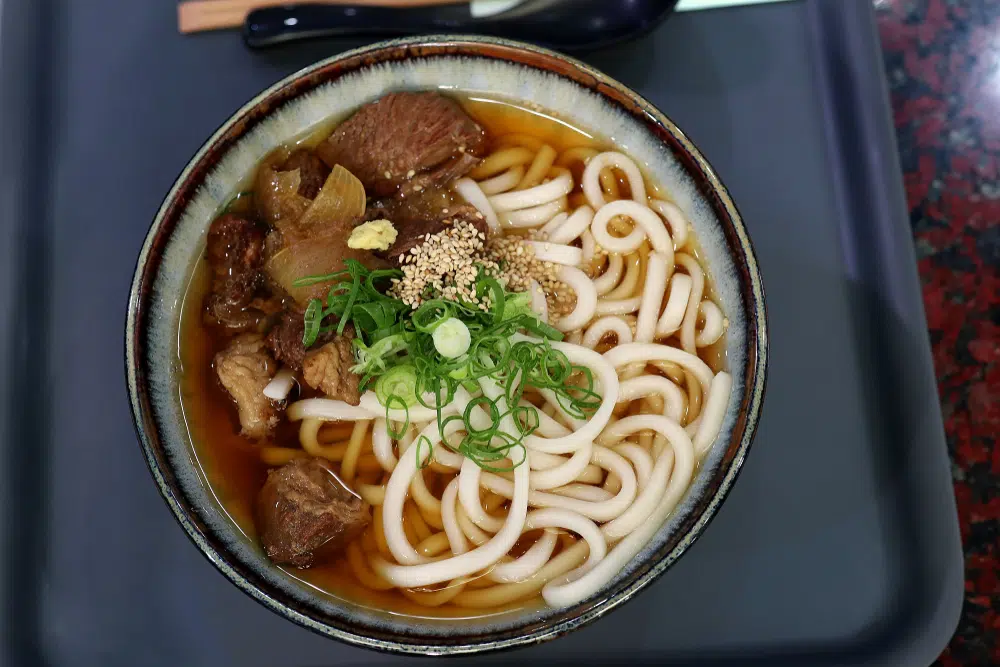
(244,368)
(440,176)
(329,370)
(306,514)
(285,338)
(236,254)
(414,223)
(403,136)
(312,171)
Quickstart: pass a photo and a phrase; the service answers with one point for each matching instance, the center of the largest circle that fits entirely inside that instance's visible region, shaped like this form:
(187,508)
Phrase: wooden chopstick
(202,15)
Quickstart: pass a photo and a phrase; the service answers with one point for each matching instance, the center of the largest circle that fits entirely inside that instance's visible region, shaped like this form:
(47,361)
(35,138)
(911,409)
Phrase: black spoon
(564,25)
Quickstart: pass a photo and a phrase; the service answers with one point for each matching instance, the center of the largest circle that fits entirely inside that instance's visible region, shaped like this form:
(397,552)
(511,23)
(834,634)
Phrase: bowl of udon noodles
(446,345)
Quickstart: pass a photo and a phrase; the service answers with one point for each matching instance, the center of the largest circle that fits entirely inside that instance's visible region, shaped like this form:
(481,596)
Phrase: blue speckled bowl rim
(295,85)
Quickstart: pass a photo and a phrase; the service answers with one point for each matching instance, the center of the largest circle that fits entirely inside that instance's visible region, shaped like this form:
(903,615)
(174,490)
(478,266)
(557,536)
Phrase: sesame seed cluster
(447,264)
(520,266)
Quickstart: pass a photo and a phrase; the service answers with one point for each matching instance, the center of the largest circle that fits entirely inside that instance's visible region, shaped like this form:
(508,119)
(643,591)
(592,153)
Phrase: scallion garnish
(422,356)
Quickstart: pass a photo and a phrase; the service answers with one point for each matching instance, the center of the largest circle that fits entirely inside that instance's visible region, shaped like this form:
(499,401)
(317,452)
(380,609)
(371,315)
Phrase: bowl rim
(657,562)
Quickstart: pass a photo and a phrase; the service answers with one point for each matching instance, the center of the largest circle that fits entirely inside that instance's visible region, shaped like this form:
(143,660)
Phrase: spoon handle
(275,25)
(564,25)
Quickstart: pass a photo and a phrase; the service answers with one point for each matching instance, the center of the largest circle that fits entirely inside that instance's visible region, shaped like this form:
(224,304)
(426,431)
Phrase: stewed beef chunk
(236,254)
(329,370)
(285,339)
(306,514)
(414,224)
(312,171)
(244,369)
(404,136)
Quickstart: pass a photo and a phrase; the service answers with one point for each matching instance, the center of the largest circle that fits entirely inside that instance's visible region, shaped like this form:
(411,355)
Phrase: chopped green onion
(452,338)
(399,383)
(422,357)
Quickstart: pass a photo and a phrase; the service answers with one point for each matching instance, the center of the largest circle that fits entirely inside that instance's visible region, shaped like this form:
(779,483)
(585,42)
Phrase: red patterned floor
(943,62)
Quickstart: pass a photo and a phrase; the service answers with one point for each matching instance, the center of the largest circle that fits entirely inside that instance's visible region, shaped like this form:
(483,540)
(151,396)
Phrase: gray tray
(838,545)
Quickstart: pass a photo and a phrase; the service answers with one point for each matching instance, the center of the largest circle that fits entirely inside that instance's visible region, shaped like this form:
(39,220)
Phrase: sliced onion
(281,385)
(341,200)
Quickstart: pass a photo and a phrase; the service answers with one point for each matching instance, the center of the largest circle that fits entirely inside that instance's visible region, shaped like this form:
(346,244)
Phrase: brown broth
(232,464)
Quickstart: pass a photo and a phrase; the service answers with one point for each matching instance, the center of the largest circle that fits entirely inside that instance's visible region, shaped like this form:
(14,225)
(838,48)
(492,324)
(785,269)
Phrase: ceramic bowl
(519,72)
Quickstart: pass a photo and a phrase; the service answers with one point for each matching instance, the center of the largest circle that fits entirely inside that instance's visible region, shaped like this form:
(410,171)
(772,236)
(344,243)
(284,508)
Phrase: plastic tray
(839,543)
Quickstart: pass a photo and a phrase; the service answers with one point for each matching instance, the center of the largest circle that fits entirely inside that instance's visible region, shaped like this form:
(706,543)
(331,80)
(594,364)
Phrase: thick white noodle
(588,492)
(571,421)
(327,409)
(640,460)
(607,384)
(539,304)
(473,194)
(589,246)
(605,325)
(468,495)
(602,511)
(620,355)
(426,574)
(557,188)
(456,538)
(713,326)
(675,464)
(591,474)
(619,557)
(553,225)
(647,225)
(675,218)
(573,227)
(564,473)
(612,275)
(280,385)
(557,253)
(547,426)
(647,385)
(529,563)
(567,520)
(503,181)
(382,446)
(691,314)
(592,173)
(618,306)
(586,298)
(395,496)
(416,413)
(677,301)
(532,217)
(471,531)
(713,411)
(652,296)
